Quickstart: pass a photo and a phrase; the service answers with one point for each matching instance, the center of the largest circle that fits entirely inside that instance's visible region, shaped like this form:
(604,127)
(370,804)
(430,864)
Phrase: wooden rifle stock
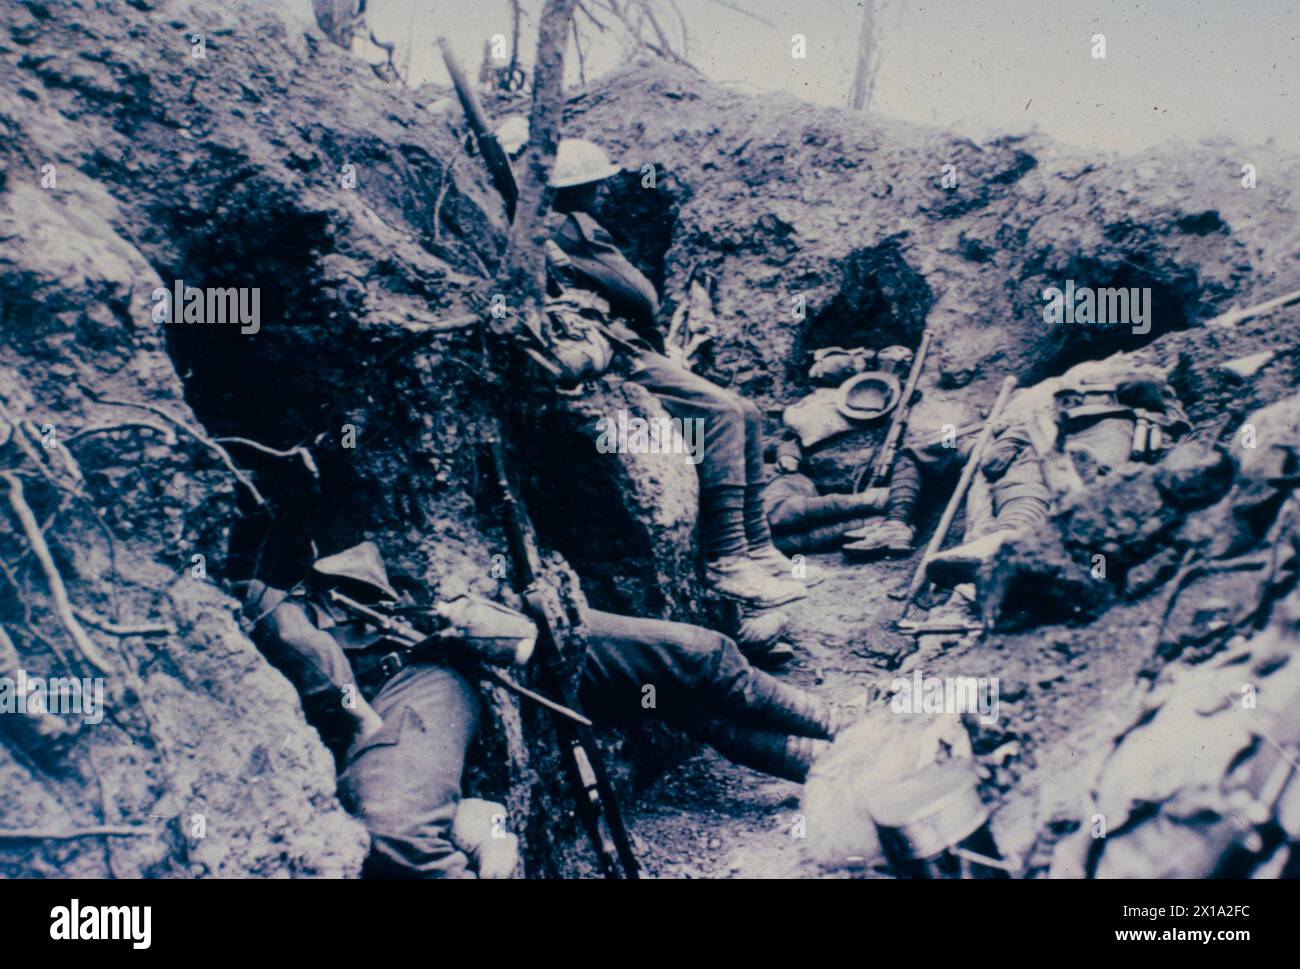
(494,156)
(592,791)
(884,467)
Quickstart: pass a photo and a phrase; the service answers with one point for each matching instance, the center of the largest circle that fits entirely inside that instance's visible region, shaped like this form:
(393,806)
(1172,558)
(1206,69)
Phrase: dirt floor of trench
(1065,692)
(708,818)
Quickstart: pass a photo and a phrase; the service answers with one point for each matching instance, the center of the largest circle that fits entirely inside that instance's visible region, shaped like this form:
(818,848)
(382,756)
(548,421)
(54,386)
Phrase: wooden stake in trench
(959,494)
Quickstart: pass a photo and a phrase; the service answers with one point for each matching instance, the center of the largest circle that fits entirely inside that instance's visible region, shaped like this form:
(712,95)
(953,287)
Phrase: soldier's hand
(497,857)
(367,719)
(543,599)
(478,829)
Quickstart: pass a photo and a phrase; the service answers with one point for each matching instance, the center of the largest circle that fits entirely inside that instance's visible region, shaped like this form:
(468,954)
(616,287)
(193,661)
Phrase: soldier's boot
(758,634)
(878,539)
(961,563)
(744,580)
(779,706)
(768,751)
(776,563)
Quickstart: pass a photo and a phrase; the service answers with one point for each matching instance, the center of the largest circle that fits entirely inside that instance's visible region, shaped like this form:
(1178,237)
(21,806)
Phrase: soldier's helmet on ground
(868,396)
(360,565)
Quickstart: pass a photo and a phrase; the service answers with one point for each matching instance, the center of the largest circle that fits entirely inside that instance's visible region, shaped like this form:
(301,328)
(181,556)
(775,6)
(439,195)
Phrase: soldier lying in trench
(412,714)
(805,520)
(1054,438)
(869,522)
(741,561)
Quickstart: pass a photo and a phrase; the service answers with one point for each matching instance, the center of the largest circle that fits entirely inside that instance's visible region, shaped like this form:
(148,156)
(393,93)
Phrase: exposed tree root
(113,629)
(199,436)
(58,592)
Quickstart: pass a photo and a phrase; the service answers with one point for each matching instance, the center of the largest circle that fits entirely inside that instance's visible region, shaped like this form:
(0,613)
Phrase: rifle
(959,493)
(596,802)
(410,638)
(494,156)
(594,795)
(884,466)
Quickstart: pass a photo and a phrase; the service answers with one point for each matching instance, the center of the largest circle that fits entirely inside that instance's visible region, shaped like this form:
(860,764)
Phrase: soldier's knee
(702,653)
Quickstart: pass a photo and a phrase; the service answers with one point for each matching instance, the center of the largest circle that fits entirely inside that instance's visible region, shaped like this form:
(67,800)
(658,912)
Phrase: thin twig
(25,446)
(515,14)
(298,451)
(58,592)
(122,425)
(745,13)
(18,591)
(663,37)
(94,831)
(65,456)
(577,45)
(442,192)
(592,17)
(681,22)
(34,456)
(458,322)
(142,629)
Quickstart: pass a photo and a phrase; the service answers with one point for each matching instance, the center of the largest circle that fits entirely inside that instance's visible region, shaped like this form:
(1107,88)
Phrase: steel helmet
(361,563)
(868,396)
(578,161)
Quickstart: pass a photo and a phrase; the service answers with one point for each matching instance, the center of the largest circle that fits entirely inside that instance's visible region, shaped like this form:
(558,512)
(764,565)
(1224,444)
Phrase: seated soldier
(402,776)
(741,561)
(402,773)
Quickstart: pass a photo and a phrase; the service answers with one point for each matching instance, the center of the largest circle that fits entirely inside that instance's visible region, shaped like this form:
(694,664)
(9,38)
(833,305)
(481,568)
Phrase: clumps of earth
(126,164)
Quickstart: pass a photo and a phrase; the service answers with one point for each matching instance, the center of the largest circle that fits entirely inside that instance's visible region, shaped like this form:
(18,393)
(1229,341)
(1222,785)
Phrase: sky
(1185,69)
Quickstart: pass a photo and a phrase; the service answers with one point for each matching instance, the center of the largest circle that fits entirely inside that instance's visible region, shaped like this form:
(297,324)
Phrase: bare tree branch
(298,452)
(113,629)
(582,8)
(659,33)
(199,436)
(515,14)
(577,45)
(745,13)
(96,831)
(168,434)
(681,22)
(525,260)
(868,59)
(663,48)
